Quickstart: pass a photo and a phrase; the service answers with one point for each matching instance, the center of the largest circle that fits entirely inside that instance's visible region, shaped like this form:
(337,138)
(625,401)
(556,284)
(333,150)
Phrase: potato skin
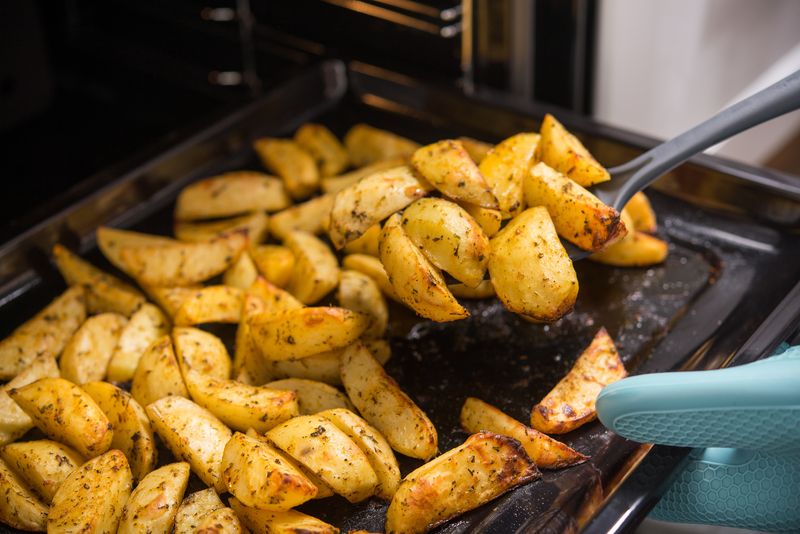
(201,351)
(564,152)
(145,326)
(158,374)
(212,304)
(220,521)
(505,167)
(89,351)
(44,464)
(232,193)
(194,508)
(21,508)
(153,504)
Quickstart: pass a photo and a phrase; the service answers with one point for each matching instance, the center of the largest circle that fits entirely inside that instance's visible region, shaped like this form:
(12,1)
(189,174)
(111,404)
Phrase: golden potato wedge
(192,434)
(158,374)
(111,241)
(275,263)
(416,281)
(241,274)
(43,464)
(221,521)
(275,298)
(308,216)
(313,397)
(328,152)
(562,151)
(372,199)
(380,349)
(366,244)
(130,424)
(489,220)
(477,150)
(91,498)
(292,334)
(22,508)
(14,422)
(212,304)
(546,453)
(146,325)
(322,367)
(248,364)
(462,479)
(644,218)
(372,267)
(170,299)
(505,167)
(65,413)
(641,250)
(184,264)
(104,293)
(449,237)
(256,224)
(384,405)
(49,330)
(448,167)
(152,506)
(317,443)
(367,145)
(530,270)
(232,193)
(572,401)
(378,451)
(194,508)
(316,270)
(89,351)
(202,351)
(258,476)
(333,184)
(288,522)
(292,163)
(484,290)
(359,292)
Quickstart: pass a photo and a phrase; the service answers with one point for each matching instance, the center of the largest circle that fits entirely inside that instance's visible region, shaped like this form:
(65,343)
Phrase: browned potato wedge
(111,241)
(449,237)
(316,270)
(372,199)
(366,244)
(153,504)
(158,374)
(378,451)
(145,326)
(505,167)
(275,263)
(182,264)
(313,397)
(327,151)
(89,351)
(291,334)
(91,498)
(21,508)
(229,194)
(380,349)
(130,424)
(43,464)
(562,151)
(194,508)
(485,290)
(65,413)
(308,216)
(641,250)
(49,330)
(333,184)
(292,163)
(212,304)
(170,299)
(530,270)
(202,351)
(366,145)
(359,292)
(248,364)
(256,225)
(241,274)
(192,434)
(448,167)
(288,522)
(14,422)
(489,220)
(258,476)
(274,297)
(572,401)
(462,479)
(372,267)
(221,521)
(322,367)
(317,443)
(644,218)
(416,281)
(546,453)
(381,402)
(477,150)
(104,293)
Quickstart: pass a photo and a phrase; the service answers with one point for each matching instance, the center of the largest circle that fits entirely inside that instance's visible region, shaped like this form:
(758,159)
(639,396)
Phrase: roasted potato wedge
(489,220)
(22,508)
(212,304)
(644,218)
(194,508)
(275,263)
(562,151)
(359,292)
(89,351)
(43,464)
(384,405)
(146,325)
(485,290)
(66,413)
(572,401)
(202,351)
(152,506)
(322,367)
(462,479)
(316,270)
(366,244)
(505,167)
(313,397)
(333,184)
(275,298)
(530,270)
(292,163)
(170,299)
(221,521)
(111,241)
(248,364)
(288,522)
(367,145)
(256,224)
(229,194)
(14,422)
(372,267)
(641,250)
(158,374)
(308,216)
(477,150)
(241,274)
(328,152)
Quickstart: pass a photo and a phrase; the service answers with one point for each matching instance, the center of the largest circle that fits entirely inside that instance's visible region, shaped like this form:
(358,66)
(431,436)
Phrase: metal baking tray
(719,299)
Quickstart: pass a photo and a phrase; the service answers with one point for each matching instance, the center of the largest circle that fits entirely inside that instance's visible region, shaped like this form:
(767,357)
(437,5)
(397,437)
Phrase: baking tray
(733,259)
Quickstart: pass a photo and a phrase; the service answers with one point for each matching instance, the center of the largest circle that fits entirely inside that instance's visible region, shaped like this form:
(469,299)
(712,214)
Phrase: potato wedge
(275,263)
(158,374)
(275,298)
(133,434)
(292,163)
(322,367)
(49,330)
(91,498)
(641,250)
(366,244)
(313,397)
(562,151)
(256,224)
(359,292)
(448,167)
(111,241)
(372,267)
(212,304)
(384,405)
(372,199)
(43,464)
(416,281)
(89,351)
(153,504)
(367,145)
(316,270)
(184,264)
(462,479)
(194,508)
(292,334)
(221,521)
(201,351)
(333,184)
(288,522)
(485,290)
(258,475)
(644,218)
(546,453)
(170,299)
(317,443)
(328,152)
(489,220)
(241,274)
(248,364)
(22,508)
(449,237)
(65,413)
(14,422)
(308,216)
(192,434)
(477,150)
(232,193)
(530,270)
(146,325)
(572,401)
(104,293)
(505,167)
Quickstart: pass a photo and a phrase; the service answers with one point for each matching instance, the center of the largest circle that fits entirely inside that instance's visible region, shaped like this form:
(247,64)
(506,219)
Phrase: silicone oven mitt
(745,425)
